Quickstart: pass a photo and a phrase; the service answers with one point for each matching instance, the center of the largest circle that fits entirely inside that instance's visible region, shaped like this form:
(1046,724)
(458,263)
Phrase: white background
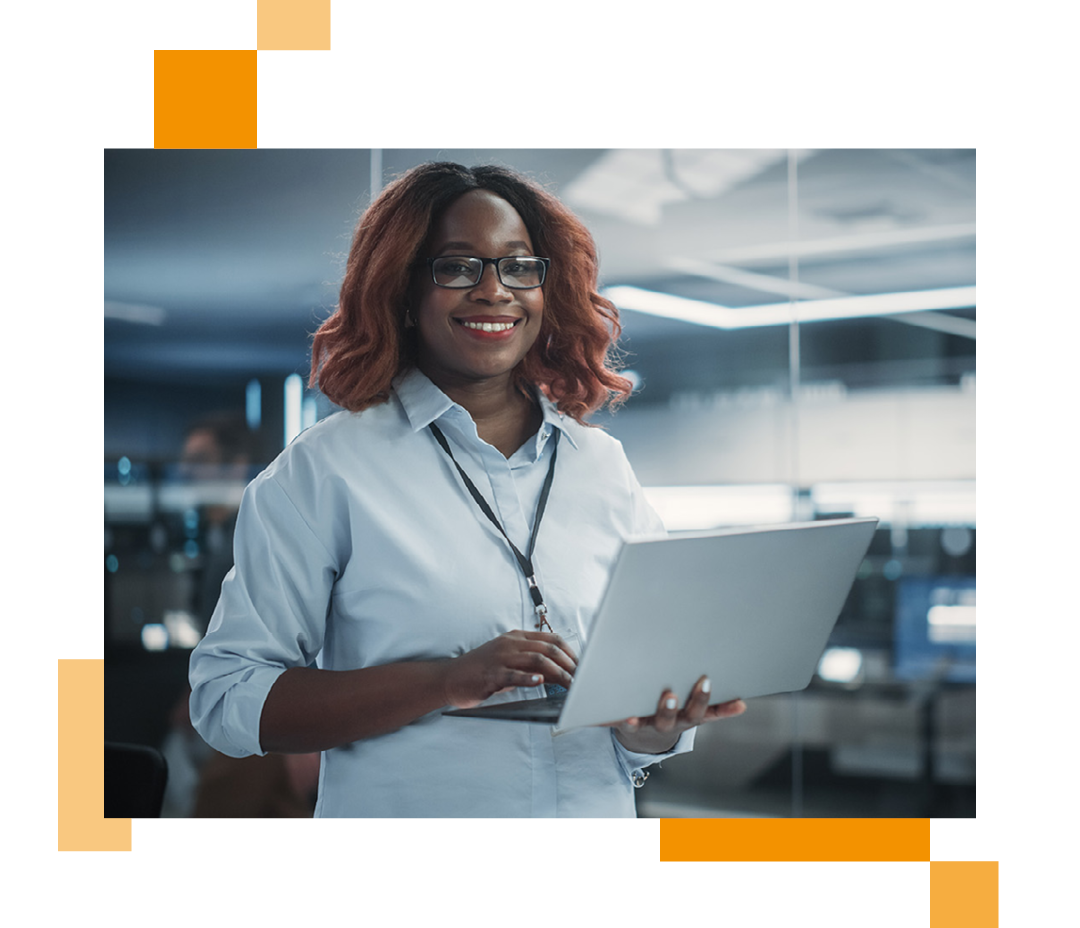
(79,78)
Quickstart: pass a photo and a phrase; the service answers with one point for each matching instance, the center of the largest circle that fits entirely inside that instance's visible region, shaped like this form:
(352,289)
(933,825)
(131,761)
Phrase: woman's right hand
(308,709)
(517,658)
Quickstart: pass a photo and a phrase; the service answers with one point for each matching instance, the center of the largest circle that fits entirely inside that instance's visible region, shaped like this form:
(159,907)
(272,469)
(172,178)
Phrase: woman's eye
(455,267)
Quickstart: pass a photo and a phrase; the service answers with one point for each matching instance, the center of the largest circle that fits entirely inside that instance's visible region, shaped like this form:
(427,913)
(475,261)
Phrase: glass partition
(857,405)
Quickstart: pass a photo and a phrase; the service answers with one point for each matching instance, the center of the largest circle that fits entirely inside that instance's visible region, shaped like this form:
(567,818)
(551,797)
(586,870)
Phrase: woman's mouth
(477,326)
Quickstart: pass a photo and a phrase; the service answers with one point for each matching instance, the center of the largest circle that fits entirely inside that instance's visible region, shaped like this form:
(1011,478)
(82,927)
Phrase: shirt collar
(553,419)
(425,403)
(422,400)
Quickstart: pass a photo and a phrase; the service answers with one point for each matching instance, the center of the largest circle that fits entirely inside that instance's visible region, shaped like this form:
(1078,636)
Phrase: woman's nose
(489,287)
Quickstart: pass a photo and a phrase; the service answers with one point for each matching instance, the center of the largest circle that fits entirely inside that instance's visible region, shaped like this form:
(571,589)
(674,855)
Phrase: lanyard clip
(538,603)
(541,617)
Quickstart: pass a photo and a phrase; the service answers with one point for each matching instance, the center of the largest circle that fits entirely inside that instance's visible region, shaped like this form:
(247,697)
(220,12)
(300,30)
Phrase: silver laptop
(751,608)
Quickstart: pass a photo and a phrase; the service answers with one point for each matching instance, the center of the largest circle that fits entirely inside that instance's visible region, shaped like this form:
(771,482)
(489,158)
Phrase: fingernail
(536,678)
(670,704)
(706,686)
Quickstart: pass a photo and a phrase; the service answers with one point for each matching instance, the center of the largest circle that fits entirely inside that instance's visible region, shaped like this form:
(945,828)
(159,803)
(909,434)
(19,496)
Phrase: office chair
(135,778)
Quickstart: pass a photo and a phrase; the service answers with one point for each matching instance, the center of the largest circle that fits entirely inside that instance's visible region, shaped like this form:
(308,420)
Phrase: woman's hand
(657,734)
(517,658)
(309,710)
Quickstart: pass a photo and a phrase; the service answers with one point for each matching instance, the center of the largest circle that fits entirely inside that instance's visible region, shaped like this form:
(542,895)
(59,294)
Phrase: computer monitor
(934,629)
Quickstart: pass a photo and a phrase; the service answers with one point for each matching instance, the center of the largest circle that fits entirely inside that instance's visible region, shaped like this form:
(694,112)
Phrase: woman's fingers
(725,710)
(544,668)
(670,717)
(667,712)
(516,658)
(698,703)
(515,678)
(541,652)
(552,645)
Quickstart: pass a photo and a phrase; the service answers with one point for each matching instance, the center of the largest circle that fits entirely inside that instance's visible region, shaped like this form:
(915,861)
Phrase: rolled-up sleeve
(271,616)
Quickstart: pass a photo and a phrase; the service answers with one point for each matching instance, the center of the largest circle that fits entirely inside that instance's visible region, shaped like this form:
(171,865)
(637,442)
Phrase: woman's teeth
(489,326)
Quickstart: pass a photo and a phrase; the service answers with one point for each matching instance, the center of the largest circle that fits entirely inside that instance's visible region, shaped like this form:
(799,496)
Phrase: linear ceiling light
(134,312)
(850,307)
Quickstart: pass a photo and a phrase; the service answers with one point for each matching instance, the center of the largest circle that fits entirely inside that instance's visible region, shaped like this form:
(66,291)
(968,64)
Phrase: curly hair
(359,349)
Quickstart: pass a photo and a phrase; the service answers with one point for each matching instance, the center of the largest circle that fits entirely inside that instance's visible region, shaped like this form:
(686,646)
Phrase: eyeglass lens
(520,273)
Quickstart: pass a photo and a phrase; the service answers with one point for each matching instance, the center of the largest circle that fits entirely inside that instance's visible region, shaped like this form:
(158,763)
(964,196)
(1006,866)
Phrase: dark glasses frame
(545,263)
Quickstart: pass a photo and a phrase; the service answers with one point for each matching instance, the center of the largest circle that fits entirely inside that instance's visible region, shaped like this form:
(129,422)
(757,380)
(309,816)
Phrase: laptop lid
(750,608)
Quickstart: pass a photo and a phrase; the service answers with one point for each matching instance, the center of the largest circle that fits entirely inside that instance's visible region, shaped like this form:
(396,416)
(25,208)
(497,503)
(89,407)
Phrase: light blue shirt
(359,546)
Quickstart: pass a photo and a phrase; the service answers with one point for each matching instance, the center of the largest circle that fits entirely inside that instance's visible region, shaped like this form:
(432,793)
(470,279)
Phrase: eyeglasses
(519,272)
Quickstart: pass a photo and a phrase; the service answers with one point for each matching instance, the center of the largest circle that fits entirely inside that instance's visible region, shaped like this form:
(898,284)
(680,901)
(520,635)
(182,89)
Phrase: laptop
(751,608)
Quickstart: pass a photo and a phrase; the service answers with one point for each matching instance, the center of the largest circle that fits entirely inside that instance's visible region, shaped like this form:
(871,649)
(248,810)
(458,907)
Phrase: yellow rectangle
(80,813)
(809,839)
(294,25)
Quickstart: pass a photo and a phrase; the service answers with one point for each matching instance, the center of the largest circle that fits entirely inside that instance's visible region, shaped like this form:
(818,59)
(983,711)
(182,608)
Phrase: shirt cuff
(634,764)
(232,721)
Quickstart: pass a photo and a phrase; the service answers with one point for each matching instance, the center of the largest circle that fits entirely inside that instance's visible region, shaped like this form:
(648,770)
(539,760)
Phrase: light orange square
(964,894)
(205,99)
(294,25)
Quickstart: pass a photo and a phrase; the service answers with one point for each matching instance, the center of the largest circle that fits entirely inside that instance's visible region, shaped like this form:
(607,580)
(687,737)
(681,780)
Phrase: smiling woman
(477,333)
(371,591)
(367,342)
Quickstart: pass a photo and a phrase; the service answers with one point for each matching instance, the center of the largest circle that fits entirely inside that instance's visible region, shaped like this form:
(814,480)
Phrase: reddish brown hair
(364,344)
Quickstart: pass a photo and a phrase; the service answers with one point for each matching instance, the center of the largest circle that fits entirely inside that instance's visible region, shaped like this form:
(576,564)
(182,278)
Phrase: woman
(371,589)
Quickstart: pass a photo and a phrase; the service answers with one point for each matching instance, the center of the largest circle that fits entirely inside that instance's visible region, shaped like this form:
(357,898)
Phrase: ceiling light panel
(635,184)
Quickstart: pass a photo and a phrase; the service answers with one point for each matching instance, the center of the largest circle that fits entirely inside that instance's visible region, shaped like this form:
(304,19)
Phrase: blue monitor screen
(934,632)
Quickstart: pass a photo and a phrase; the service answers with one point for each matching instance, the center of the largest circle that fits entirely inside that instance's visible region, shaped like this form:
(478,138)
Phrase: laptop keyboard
(525,707)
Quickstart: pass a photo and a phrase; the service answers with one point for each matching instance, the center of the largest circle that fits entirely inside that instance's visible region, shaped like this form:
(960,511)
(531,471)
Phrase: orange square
(294,25)
(205,99)
(963,894)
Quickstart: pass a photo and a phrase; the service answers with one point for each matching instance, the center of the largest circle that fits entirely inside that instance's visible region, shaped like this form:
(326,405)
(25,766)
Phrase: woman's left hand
(657,734)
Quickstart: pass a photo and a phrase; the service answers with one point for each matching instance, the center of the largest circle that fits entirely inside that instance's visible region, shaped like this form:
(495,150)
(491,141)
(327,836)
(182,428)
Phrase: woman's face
(482,332)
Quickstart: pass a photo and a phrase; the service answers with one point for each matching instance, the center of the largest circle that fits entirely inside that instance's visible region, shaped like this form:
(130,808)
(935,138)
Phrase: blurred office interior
(800,325)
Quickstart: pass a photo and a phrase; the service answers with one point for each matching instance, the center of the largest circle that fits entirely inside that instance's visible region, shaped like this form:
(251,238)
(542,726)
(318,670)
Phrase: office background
(219,265)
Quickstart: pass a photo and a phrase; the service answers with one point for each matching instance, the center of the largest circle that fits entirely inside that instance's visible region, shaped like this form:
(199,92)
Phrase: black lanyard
(524,560)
